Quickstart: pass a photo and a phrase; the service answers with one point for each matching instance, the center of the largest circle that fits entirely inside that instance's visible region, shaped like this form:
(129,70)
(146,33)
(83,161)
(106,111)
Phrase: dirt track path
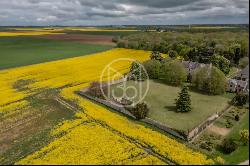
(218,130)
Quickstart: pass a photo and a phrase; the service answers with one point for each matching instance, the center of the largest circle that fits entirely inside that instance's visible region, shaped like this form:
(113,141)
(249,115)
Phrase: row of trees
(208,79)
(221,48)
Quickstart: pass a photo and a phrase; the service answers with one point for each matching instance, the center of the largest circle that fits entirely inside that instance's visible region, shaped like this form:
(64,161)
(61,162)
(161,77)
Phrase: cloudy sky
(121,12)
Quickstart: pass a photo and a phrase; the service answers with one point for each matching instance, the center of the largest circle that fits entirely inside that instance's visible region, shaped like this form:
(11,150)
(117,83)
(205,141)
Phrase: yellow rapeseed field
(30,33)
(96,135)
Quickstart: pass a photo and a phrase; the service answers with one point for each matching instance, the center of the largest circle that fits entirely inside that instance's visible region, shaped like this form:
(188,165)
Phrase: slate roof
(192,65)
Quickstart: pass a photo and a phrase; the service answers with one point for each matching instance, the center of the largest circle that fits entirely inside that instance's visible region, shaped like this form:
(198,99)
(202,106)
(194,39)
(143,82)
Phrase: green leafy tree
(153,68)
(221,63)
(97,89)
(228,146)
(137,72)
(184,52)
(240,99)
(209,79)
(133,45)
(235,53)
(155,55)
(183,103)
(174,73)
(244,48)
(140,111)
(172,54)
(193,55)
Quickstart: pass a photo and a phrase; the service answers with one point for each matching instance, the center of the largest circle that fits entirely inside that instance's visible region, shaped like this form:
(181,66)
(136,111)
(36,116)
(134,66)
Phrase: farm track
(140,145)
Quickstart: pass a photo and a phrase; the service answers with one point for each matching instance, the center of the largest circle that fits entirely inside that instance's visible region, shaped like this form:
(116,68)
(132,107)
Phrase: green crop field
(22,51)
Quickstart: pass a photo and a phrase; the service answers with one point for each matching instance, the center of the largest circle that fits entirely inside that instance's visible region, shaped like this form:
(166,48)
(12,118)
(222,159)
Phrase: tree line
(223,49)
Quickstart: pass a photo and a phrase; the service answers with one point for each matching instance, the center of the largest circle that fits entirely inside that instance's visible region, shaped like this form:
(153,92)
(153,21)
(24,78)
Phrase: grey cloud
(98,12)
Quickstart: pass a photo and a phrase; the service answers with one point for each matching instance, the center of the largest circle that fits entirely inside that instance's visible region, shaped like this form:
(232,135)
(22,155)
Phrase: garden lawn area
(242,152)
(161,101)
(22,51)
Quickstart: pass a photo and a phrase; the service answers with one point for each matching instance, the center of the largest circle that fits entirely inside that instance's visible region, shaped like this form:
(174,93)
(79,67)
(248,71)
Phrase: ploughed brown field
(91,39)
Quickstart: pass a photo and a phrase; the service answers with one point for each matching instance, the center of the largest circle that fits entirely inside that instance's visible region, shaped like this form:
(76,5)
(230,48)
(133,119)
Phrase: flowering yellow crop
(95,135)
(31,33)
(90,144)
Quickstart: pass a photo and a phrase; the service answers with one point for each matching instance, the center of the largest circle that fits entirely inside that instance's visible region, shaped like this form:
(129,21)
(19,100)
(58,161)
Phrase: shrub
(96,89)
(219,160)
(140,111)
(153,68)
(240,99)
(244,136)
(183,103)
(237,117)
(174,73)
(229,124)
(228,146)
(210,80)
(207,145)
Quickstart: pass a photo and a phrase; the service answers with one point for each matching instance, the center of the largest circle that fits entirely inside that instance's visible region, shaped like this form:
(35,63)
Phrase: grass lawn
(242,153)
(21,51)
(161,101)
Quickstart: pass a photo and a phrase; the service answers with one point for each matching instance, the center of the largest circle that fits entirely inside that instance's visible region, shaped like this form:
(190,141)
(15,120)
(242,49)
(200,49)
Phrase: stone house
(240,83)
(192,66)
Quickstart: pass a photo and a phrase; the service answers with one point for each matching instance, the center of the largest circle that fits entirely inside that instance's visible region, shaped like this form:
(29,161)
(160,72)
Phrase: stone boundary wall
(107,103)
(127,113)
(201,127)
(184,135)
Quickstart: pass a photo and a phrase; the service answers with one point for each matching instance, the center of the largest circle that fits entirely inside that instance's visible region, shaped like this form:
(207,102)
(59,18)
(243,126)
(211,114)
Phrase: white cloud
(46,19)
